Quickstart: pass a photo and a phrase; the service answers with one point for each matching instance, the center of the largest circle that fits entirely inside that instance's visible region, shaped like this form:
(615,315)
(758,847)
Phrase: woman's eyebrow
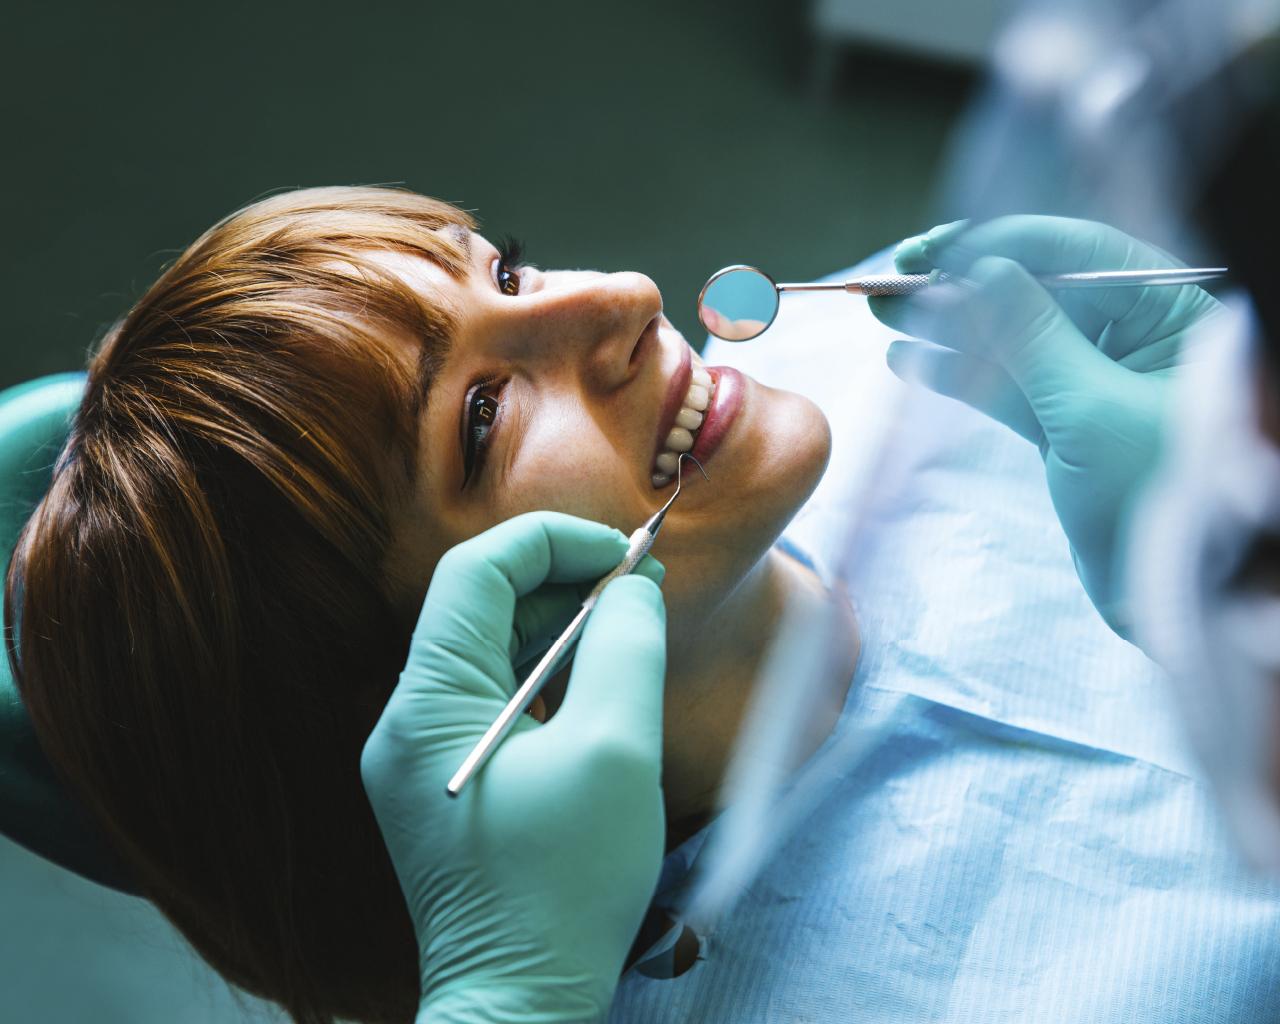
(462,237)
(432,354)
(436,344)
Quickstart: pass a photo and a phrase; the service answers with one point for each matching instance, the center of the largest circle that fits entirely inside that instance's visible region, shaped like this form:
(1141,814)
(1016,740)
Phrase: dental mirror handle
(905,284)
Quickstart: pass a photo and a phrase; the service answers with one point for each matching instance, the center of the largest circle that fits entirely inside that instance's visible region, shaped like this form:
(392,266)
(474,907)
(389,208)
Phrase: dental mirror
(739,303)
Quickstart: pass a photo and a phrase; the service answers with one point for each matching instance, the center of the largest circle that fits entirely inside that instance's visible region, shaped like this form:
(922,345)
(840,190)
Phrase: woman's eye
(482,413)
(508,280)
(508,265)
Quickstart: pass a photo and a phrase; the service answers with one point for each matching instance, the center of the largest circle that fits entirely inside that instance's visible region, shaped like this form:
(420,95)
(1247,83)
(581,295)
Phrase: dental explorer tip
(658,516)
(680,469)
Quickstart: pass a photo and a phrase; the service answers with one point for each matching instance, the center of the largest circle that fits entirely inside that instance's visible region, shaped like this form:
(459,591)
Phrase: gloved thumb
(615,689)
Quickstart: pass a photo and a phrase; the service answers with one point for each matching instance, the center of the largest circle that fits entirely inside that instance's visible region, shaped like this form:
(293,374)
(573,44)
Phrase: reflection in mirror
(738,303)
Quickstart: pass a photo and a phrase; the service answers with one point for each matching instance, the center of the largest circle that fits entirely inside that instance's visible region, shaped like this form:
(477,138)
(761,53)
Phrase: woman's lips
(726,400)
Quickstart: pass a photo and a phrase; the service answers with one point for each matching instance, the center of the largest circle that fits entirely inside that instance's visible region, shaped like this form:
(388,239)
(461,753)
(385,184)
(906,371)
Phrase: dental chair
(36,810)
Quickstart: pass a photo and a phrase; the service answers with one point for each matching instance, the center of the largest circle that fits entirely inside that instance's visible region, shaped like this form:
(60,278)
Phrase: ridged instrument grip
(638,545)
(889,284)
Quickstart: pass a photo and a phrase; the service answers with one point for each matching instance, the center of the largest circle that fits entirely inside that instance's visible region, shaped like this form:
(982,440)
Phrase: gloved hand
(1084,374)
(527,889)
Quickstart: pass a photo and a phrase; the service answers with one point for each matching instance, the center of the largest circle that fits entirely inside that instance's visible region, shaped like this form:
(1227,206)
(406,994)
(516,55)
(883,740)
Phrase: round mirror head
(738,303)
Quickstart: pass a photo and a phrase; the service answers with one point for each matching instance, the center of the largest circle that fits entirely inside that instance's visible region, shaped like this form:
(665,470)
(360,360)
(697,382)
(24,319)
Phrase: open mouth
(688,420)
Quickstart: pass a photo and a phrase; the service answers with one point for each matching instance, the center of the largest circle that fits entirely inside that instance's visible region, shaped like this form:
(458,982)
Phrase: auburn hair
(197,614)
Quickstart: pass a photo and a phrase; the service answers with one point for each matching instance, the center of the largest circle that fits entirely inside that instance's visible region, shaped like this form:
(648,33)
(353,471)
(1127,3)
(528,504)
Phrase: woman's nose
(598,319)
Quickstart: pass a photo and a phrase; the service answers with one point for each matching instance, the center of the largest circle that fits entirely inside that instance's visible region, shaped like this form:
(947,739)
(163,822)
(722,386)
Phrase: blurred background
(673,138)
(670,137)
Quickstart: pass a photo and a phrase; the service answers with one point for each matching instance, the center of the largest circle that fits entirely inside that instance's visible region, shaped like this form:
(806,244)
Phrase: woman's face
(560,391)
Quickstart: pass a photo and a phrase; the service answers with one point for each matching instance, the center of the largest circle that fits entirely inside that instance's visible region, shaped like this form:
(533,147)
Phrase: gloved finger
(932,314)
(911,256)
(1043,244)
(982,385)
(901,312)
(615,689)
(463,632)
(1055,245)
(1011,319)
(541,616)
(1003,315)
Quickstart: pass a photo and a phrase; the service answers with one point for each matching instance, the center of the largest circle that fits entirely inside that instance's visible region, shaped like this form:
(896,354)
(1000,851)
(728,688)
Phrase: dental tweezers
(549,664)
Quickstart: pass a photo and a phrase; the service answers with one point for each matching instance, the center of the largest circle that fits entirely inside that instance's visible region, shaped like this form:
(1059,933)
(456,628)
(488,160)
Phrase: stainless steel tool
(639,544)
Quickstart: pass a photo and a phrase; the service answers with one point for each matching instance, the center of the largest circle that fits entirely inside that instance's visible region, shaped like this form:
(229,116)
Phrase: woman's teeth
(690,419)
(683,434)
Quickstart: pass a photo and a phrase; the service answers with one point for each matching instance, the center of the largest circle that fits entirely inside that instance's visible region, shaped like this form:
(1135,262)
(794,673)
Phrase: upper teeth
(688,420)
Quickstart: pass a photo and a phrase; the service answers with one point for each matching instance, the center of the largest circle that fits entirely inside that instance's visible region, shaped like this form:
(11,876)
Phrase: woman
(321,396)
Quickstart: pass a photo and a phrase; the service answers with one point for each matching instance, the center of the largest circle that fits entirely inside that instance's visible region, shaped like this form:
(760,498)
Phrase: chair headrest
(36,810)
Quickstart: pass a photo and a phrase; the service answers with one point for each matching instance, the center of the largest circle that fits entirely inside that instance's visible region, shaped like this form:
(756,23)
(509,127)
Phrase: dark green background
(671,138)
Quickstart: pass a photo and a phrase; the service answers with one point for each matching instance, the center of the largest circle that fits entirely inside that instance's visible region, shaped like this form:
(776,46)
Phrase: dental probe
(905,284)
(637,547)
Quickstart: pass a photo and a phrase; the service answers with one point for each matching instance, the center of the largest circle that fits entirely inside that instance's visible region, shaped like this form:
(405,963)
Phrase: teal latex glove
(1085,374)
(528,889)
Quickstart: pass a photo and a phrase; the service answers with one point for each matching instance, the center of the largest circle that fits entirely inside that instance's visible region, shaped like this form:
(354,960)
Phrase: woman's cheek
(801,438)
(579,486)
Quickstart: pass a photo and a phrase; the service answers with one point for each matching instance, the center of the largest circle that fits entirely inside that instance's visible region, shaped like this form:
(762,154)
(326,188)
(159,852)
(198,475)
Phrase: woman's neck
(712,673)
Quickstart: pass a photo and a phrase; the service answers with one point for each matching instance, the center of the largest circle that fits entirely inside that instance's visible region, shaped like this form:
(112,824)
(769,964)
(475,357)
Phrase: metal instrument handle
(905,284)
(548,665)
